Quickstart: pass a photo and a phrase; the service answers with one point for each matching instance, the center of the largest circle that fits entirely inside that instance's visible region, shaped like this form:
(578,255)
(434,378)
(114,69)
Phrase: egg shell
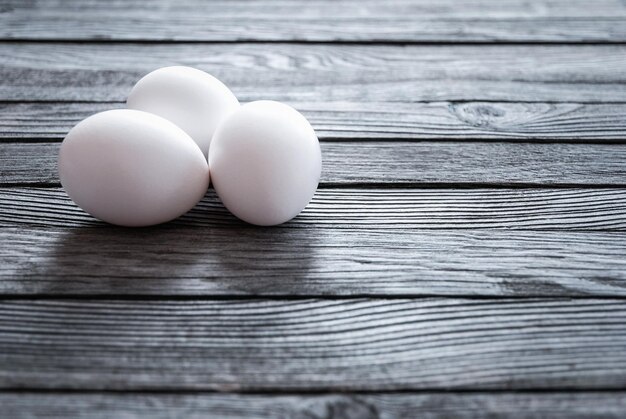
(265,162)
(132,168)
(190,98)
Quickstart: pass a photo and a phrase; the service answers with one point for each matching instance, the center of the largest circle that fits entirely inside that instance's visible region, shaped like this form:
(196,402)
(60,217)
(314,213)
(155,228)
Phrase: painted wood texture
(465,255)
(347,242)
(389,21)
(429,405)
(356,344)
(573,209)
(398,163)
(179,260)
(489,121)
(330,73)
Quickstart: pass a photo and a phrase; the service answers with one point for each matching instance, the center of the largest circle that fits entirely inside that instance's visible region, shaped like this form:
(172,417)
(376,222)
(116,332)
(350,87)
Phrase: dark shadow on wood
(80,250)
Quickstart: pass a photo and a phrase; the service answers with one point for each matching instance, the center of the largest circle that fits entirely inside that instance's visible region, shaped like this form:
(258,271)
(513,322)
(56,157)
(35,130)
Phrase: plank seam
(386,140)
(300,297)
(369,42)
(395,185)
(312,391)
(451,101)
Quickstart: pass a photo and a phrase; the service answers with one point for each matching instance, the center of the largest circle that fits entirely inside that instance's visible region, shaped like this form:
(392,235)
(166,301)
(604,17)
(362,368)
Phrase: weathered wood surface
(393,163)
(489,178)
(493,121)
(430,405)
(394,21)
(329,73)
(63,258)
(355,344)
(178,260)
(576,209)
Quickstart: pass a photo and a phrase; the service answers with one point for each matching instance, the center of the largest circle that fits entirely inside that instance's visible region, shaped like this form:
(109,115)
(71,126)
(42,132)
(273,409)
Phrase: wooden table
(465,254)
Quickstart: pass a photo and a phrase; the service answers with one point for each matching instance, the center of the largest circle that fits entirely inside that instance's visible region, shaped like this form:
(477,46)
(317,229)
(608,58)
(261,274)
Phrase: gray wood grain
(241,260)
(404,21)
(356,344)
(329,73)
(498,121)
(391,163)
(525,405)
(202,326)
(512,209)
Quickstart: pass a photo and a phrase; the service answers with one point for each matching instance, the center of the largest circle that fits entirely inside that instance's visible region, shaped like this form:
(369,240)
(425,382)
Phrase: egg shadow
(205,252)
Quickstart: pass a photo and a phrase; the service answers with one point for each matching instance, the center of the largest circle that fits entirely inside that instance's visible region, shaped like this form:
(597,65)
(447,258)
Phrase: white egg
(265,162)
(132,168)
(192,99)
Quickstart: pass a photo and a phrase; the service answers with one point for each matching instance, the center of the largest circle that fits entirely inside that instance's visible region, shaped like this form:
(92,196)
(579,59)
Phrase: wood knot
(478,114)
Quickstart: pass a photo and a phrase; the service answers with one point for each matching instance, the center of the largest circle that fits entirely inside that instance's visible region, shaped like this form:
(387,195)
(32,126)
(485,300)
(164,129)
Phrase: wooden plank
(513,209)
(242,260)
(500,121)
(58,405)
(329,73)
(391,21)
(391,163)
(355,344)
